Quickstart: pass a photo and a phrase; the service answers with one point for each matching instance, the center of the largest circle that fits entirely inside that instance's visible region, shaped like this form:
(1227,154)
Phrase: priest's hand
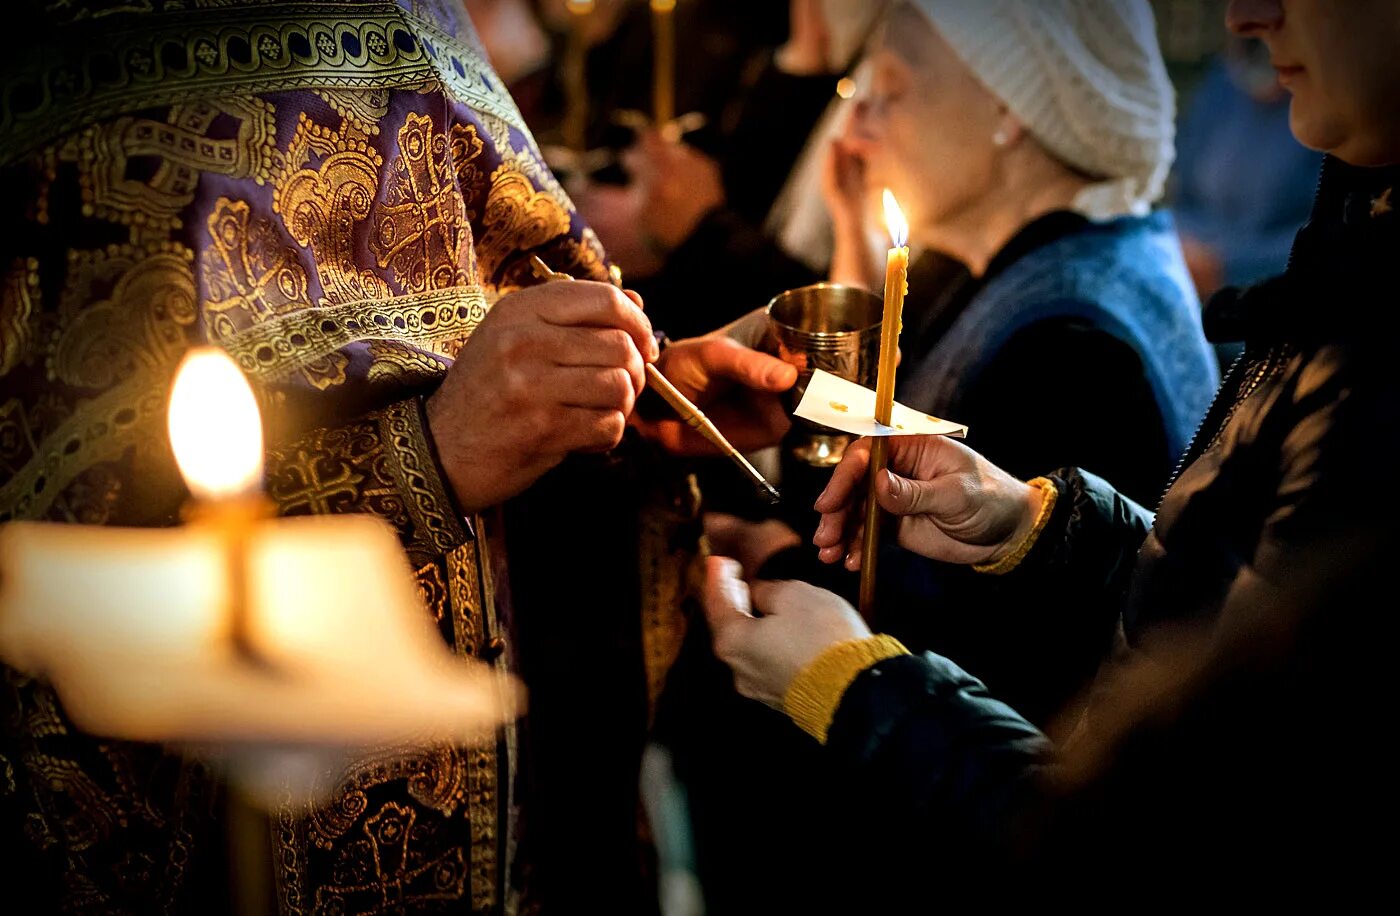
(953,505)
(552,369)
(737,387)
(799,622)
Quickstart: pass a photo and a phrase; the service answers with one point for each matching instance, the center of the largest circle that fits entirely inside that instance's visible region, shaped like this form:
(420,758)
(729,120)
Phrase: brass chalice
(830,327)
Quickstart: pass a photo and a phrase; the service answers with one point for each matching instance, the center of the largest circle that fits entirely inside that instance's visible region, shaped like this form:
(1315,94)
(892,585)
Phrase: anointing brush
(680,403)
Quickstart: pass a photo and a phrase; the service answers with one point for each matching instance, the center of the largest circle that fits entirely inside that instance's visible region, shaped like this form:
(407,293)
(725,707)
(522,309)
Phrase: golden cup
(830,327)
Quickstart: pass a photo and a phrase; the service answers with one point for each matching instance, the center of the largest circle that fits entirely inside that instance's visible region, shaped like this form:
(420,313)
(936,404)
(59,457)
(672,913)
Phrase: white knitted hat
(1085,77)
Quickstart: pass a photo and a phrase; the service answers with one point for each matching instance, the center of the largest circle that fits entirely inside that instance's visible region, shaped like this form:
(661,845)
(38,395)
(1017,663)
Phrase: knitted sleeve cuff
(1014,558)
(814,695)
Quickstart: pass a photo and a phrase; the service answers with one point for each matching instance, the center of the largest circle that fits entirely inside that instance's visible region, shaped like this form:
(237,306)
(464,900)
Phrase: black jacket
(1231,745)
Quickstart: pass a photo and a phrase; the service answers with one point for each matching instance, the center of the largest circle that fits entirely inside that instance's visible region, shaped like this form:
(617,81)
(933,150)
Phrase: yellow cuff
(813,695)
(1014,558)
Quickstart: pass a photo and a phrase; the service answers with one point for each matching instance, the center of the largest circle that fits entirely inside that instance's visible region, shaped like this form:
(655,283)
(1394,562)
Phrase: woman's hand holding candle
(953,505)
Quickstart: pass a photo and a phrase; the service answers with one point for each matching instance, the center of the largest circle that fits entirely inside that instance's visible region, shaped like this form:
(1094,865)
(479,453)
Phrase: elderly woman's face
(926,128)
(1341,63)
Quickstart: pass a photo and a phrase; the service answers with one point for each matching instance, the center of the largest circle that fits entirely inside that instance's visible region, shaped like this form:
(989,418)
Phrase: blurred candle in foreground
(238,629)
(663,16)
(216,434)
(896,287)
(215,429)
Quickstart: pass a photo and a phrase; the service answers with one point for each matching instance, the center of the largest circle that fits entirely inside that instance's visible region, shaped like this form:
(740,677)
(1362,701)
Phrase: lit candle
(576,75)
(216,434)
(896,287)
(237,629)
(663,14)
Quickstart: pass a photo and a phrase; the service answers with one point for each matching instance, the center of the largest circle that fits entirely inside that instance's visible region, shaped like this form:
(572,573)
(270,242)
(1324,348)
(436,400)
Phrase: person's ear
(1009,130)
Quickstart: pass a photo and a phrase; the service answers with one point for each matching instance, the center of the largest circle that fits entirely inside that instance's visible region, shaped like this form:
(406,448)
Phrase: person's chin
(1313,129)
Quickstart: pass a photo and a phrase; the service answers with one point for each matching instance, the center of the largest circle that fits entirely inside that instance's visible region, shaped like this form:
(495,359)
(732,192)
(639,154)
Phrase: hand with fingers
(953,505)
(807,51)
(799,622)
(751,543)
(552,369)
(736,386)
(857,258)
(680,187)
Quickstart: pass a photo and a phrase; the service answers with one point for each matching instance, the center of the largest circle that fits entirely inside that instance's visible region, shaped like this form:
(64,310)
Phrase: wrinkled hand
(551,370)
(846,189)
(680,185)
(751,543)
(735,386)
(799,622)
(953,505)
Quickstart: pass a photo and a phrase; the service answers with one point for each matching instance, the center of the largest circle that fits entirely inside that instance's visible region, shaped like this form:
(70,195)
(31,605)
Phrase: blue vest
(1126,277)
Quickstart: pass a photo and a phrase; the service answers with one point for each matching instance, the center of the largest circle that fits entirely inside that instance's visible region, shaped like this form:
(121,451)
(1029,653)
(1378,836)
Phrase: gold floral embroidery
(436,529)
(244,49)
(526,159)
(472,619)
(465,147)
(401,365)
(77,805)
(148,199)
(281,346)
(399,882)
(364,106)
(138,331)
(432,589)
(586,257)
(125,345)
(18,292)
(671,574)
(518,218)
(421,230)
(251,276)
(320,208)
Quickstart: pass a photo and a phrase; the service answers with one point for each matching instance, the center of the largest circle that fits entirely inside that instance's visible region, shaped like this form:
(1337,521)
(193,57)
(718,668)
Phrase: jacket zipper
(1195,447)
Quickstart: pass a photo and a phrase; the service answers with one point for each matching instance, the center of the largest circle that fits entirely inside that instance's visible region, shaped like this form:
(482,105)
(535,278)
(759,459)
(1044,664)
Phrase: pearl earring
(1000,138)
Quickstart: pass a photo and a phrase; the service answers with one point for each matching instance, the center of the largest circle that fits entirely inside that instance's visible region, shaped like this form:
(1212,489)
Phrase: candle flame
(215,429)
(663,6)
(579,7)
(894,219)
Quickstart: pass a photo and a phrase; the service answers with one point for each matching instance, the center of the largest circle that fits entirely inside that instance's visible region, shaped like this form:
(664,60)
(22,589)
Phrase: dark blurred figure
(1243,183)
(716,40)
(693,213)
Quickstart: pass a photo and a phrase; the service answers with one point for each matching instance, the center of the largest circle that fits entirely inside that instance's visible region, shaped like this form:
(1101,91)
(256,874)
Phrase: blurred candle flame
(215,429)
(663,6)
(894,219)
(579,7)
